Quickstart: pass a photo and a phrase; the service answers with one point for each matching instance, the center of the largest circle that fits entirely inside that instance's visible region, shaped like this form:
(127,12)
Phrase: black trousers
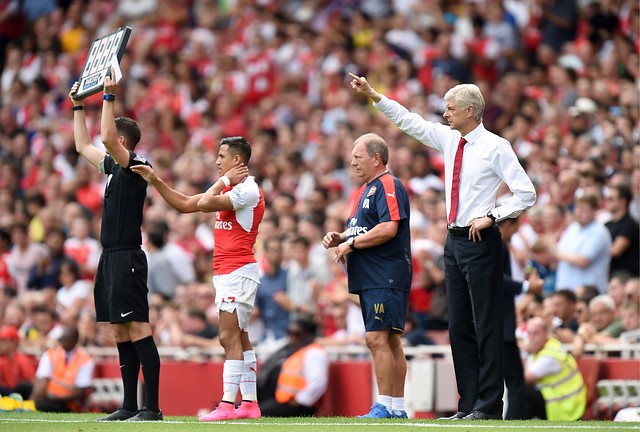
(535,407)
(514,378)
(474,284)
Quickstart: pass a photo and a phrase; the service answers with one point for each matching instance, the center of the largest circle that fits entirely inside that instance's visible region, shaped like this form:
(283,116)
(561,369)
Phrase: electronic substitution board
(99,61)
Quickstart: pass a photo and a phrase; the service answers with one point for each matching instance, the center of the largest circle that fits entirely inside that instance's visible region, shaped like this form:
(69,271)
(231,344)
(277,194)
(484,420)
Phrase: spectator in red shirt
(17,370)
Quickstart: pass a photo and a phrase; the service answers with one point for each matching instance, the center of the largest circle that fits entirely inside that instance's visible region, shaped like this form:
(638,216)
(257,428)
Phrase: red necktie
(455,181)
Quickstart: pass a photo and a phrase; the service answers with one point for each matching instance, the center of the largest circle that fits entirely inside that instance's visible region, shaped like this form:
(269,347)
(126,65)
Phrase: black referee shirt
(124,199)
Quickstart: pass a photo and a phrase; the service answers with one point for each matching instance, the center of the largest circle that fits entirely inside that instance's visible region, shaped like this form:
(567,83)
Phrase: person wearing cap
(64,376)
(294,379)
(17,370)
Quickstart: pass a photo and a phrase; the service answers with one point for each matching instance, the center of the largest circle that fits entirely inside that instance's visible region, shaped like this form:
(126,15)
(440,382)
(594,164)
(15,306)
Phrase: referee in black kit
(476,162)
(120,291)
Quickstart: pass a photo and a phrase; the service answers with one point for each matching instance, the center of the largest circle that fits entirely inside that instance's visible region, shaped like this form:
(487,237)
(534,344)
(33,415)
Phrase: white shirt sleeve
(511,172)
(44,367)
(245,194)
(434,135)
(84,378)
(544,366)
(315,368)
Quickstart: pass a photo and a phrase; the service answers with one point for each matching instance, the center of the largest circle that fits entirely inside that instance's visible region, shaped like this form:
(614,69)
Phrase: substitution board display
(101,55)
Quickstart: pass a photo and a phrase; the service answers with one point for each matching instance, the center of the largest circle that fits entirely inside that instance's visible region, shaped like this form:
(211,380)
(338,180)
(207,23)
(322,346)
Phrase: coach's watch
(352,243)
(492,217)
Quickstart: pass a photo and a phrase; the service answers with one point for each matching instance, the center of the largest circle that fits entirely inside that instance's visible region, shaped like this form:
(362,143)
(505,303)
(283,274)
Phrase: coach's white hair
(605,300)
(467,95)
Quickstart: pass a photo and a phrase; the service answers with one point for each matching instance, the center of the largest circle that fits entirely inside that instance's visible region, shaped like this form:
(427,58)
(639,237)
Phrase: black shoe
(477,415)
(457,416)
(145,414)
(118,415)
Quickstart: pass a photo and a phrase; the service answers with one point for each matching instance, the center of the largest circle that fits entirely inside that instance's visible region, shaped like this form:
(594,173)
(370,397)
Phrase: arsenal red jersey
(235,231)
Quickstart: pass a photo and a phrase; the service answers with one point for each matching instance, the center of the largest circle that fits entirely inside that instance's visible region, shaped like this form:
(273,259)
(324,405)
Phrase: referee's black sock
(150,361)
(129,369)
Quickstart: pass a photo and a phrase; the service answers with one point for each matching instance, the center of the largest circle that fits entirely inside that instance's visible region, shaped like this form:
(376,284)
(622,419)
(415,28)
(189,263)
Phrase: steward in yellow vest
(555,375)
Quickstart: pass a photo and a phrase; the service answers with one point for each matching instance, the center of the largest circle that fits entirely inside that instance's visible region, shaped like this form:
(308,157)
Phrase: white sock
(231,375)
(386,401)
(397,403)
(248,381)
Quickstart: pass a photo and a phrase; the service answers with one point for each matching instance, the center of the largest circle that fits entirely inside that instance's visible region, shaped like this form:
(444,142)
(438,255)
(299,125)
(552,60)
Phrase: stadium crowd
(560,81)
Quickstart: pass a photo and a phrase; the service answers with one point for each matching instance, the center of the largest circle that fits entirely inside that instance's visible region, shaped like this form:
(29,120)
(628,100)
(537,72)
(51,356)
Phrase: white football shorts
(235,292)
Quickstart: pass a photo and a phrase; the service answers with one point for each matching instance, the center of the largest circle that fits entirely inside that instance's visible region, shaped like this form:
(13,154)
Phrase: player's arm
(81,134)
(212,201)
(179,201)
(108,125)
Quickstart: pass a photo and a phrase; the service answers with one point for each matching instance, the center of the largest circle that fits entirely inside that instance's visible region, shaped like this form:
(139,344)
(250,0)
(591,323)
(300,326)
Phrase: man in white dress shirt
(476,162)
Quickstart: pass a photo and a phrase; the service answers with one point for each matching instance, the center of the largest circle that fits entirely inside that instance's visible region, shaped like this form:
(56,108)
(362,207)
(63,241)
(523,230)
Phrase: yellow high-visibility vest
(565,393)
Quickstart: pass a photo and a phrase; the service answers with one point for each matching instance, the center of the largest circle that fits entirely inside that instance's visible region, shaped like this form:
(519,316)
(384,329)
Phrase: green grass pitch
(45,422)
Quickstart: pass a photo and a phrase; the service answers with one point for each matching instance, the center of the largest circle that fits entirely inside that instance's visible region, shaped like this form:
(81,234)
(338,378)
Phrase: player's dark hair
(130,130)
(238,146)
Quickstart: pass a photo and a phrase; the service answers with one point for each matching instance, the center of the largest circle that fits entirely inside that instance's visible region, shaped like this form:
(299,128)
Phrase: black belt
(459,231)
(110,249)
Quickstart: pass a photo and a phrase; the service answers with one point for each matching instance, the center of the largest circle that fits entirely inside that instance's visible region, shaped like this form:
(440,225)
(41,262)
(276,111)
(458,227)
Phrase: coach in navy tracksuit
(377,247)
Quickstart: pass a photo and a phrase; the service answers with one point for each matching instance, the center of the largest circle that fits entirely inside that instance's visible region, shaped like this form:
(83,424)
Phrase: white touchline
(435,424)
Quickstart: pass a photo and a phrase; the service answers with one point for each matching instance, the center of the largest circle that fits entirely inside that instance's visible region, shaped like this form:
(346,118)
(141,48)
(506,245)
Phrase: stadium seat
(590,369)
(106,395)
(324,407)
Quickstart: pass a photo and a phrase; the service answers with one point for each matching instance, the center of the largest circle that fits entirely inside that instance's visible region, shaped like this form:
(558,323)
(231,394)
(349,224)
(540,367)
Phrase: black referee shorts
(120,292)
